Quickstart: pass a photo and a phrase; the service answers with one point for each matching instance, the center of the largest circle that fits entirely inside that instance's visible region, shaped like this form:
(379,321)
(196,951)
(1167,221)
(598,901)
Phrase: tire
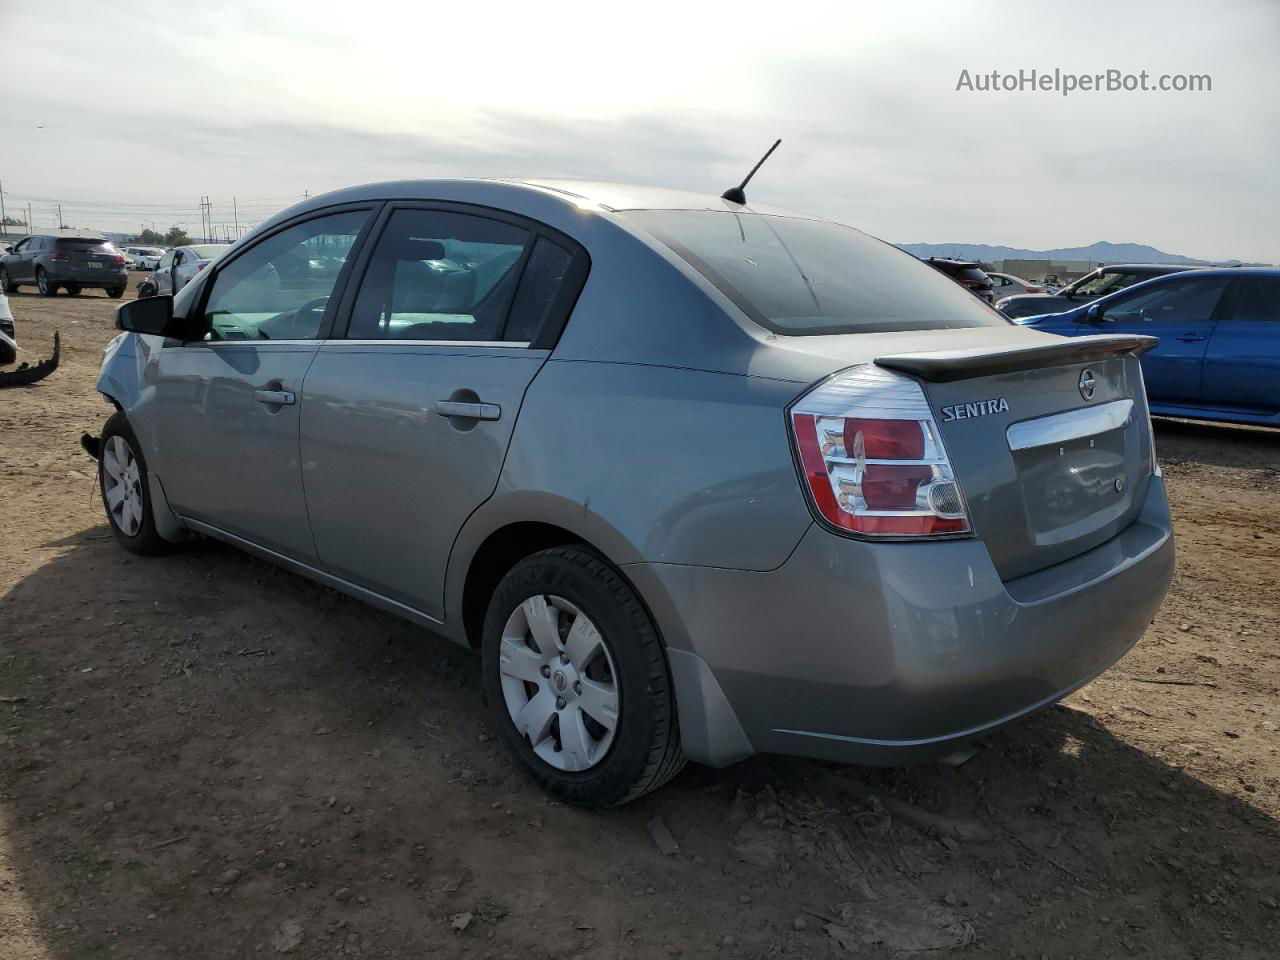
(43,284)
(146,290)
(74,289)
(7,285)
(642,752)
(115,293)
(7,354)
(136,532)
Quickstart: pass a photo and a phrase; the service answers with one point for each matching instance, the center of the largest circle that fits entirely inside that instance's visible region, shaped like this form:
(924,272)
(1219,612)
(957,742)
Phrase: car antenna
(736,194)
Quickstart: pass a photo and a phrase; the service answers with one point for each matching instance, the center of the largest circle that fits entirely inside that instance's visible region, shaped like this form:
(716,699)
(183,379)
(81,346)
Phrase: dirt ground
(204,756)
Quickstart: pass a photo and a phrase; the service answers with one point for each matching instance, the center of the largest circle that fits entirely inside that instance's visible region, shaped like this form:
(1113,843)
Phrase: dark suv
(71,262)
(969,275)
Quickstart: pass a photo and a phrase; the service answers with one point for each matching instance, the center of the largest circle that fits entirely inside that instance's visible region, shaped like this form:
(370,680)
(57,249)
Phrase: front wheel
(46,286)
(115,293)
(74,289)
(123,481)
(577,679)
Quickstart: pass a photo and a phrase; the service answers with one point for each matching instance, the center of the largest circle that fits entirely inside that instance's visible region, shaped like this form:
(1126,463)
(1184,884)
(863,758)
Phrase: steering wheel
(307,317)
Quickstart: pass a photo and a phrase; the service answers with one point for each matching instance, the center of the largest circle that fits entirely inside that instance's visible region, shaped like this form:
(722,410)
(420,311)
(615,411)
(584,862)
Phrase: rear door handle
(1190,337)
(275,397)
(468,411)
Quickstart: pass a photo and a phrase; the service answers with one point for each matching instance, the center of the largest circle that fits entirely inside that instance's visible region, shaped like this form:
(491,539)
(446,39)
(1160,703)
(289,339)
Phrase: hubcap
(559,682)
(122,486)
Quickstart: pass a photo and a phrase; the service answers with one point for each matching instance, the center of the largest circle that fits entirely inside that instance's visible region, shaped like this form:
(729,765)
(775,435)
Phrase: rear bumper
(890,653)
(89,278)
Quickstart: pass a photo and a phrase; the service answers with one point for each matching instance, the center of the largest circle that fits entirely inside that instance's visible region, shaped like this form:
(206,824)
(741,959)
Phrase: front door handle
(1190,337)
(468,411)
(275,397)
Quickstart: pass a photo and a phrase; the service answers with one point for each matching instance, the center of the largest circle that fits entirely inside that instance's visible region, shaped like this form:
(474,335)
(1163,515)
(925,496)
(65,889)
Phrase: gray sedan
(700,478)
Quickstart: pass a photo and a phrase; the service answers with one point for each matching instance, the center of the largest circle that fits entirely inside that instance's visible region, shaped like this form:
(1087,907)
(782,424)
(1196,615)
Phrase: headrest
(413,248)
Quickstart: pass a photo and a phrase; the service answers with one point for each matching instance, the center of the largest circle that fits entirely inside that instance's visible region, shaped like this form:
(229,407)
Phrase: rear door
(227,402)
(1182,312)
(407,417)
(1242,362)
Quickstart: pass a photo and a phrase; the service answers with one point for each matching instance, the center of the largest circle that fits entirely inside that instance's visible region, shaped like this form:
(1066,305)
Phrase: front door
(227,403)
(164,273)
(1182,313)
(406,420)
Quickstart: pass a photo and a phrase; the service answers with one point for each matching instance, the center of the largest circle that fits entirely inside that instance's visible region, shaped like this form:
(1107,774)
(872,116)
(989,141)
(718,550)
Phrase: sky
(130,119)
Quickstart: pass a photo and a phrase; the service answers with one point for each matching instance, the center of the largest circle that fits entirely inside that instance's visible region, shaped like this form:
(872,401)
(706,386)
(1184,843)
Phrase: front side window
(165,261)
(439,275)
(279,289)
(810,277)
(1179,302)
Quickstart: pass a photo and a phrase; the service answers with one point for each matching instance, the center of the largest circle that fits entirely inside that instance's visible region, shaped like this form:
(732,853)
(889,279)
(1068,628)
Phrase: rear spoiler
(942,366)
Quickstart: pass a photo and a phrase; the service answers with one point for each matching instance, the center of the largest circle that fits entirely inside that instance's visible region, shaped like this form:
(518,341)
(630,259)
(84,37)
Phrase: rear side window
(810,277)
(1259,301)
(439,275)
(542,291)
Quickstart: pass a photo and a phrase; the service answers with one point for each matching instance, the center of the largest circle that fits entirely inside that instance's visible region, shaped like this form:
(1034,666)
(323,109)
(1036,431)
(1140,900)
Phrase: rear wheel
(577,680)
(115,293)
(123,479)
(74,289)
(7,285)
(46,286)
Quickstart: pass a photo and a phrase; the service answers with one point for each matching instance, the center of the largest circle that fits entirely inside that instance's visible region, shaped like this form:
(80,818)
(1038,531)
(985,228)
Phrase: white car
(1007,285)
(142,258)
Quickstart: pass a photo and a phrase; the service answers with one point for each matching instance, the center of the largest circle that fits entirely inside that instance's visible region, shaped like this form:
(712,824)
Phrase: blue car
(1219,330)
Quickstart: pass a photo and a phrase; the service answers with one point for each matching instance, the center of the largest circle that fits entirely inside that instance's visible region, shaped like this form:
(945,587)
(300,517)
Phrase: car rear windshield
(81,242)
(208,251)
(811,277)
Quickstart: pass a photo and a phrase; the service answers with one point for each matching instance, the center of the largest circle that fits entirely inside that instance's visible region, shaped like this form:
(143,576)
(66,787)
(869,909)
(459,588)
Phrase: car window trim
(374,208)
(536,229)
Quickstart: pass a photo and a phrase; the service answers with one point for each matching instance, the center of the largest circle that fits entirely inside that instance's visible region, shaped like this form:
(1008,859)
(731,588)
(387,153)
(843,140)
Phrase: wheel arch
(505,531)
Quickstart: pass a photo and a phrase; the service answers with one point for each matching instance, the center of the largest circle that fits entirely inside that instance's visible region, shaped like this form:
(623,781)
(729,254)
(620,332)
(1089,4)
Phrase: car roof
(607,195)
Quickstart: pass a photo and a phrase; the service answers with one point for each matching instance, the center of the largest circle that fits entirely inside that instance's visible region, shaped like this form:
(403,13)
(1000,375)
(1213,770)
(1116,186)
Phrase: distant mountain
(1102,251)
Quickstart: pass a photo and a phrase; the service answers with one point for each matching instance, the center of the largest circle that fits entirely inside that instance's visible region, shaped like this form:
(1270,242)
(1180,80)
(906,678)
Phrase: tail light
(872,457)
(117,259)
(1034,290)
(201,264)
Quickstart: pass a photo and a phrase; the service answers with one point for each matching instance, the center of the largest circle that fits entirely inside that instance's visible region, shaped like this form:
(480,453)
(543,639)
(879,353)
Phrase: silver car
(177,267)
(700,479)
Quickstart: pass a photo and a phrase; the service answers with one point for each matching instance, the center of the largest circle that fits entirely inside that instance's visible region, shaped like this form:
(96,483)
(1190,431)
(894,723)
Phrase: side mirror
(153,315)
(1093,315)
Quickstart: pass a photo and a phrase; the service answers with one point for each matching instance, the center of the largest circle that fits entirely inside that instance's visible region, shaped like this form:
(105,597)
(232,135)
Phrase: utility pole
(235,215)
(61,226)
(4,227)
(29,220)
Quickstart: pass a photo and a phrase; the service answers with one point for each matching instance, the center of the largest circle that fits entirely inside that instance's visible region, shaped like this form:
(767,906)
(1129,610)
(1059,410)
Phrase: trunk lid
(1050,440)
